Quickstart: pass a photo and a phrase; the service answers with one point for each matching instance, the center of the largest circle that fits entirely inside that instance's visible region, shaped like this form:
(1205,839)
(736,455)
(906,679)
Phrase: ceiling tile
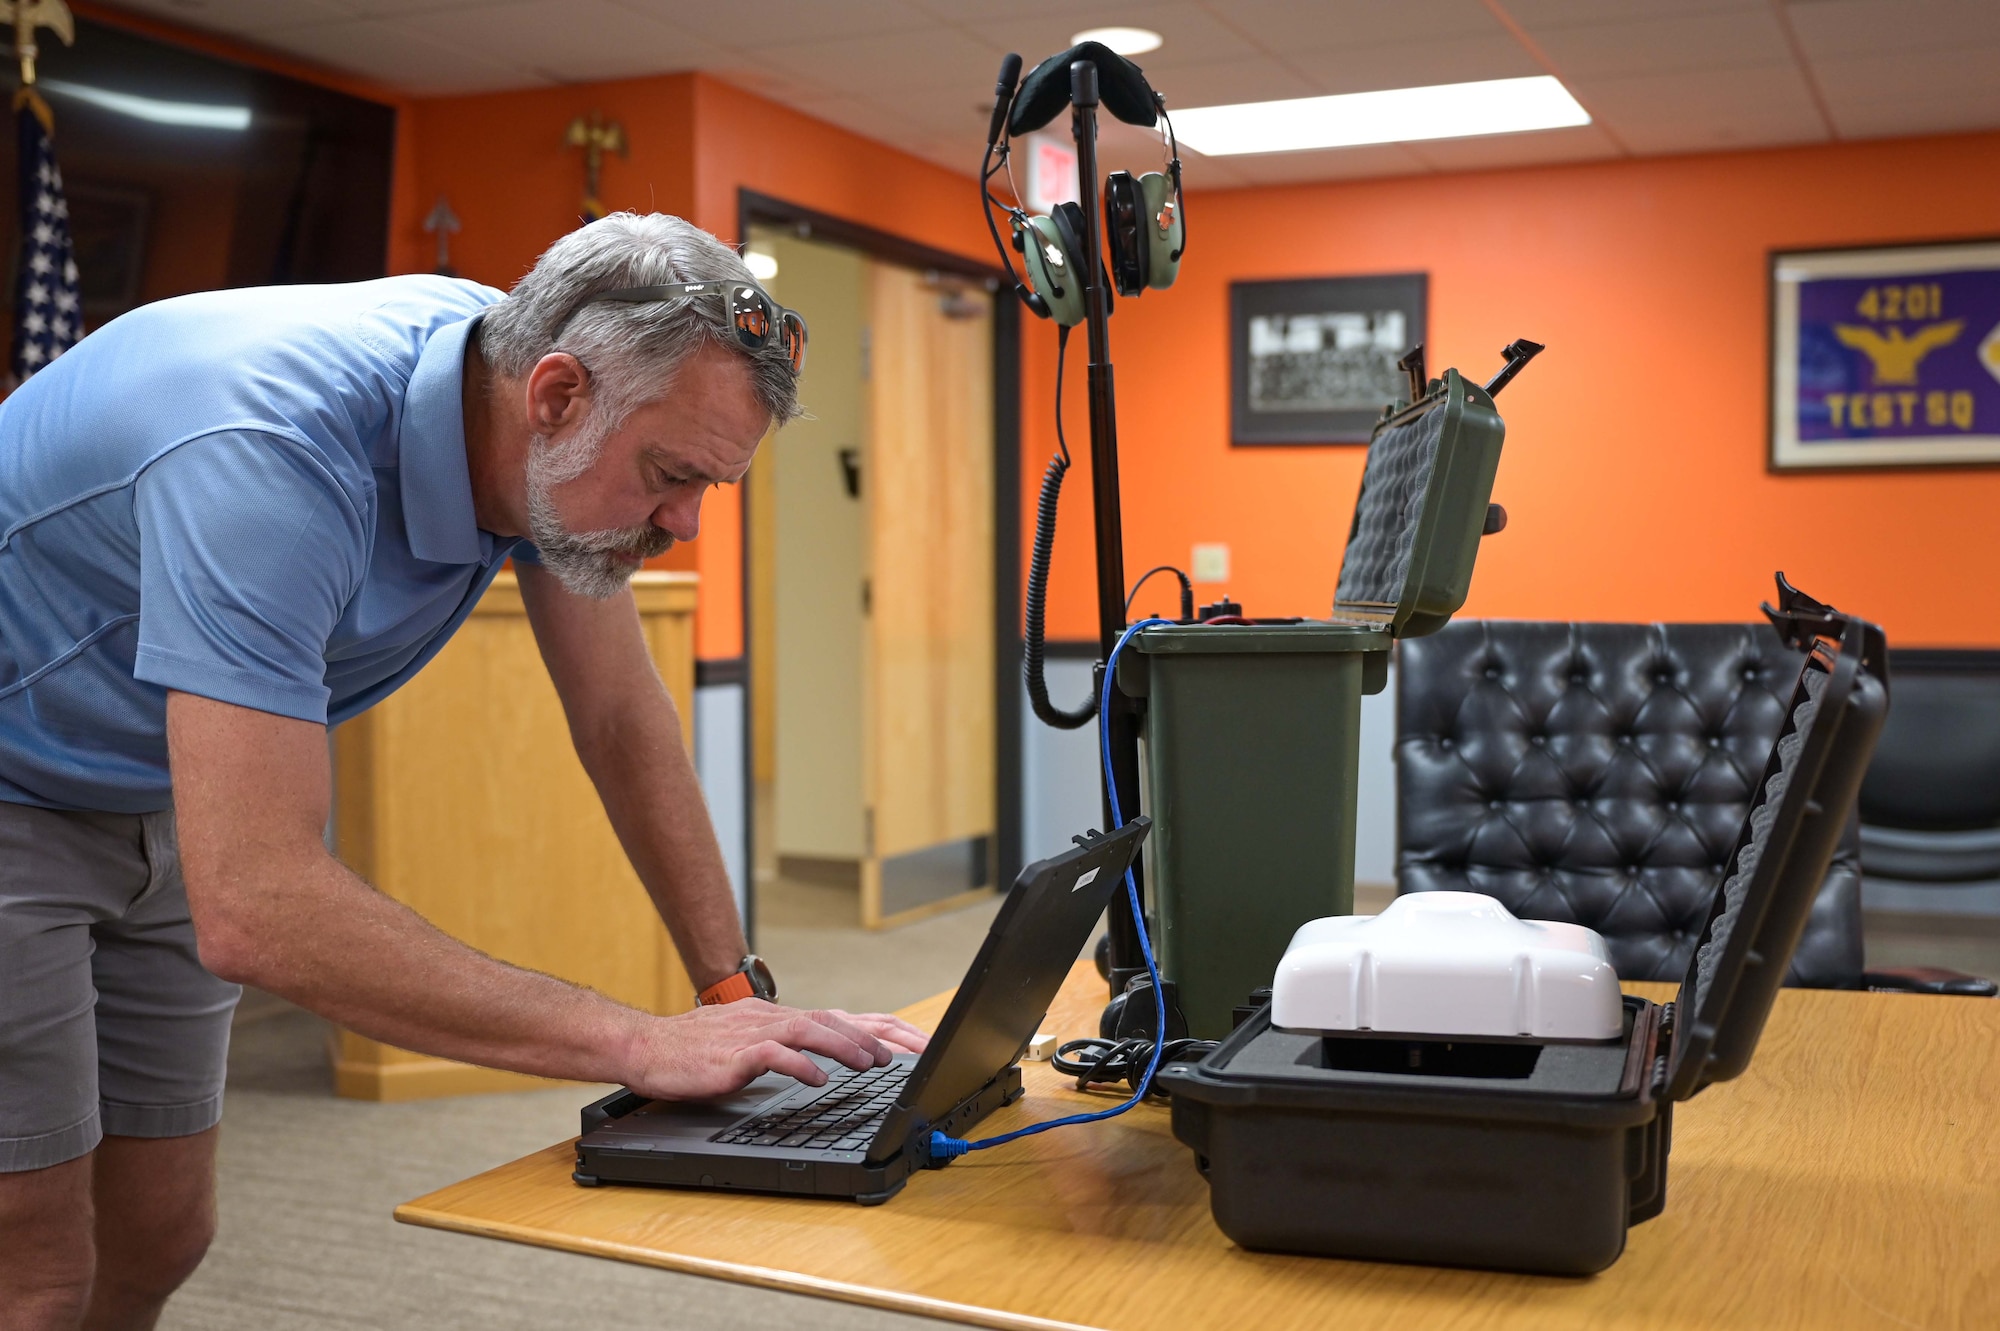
(1536,15)
(1694,112)
(596,40)
(398,57)
(1666,45)
(245,17)
(750,25)
(1258,79)
(1193,35)
(928,61)
(1902,117)
(1492,152)
(1831,28)
(1087,13)
(1286,27)
(1661,75)
(777,85)
(1415,64)
(390,8)
(1385,159)
(1956,89)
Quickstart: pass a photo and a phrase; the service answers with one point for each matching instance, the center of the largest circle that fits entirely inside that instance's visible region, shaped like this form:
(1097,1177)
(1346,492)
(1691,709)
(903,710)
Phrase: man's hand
(714,1050)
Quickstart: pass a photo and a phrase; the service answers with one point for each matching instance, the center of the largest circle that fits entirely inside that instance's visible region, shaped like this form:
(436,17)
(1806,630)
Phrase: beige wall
(817,542)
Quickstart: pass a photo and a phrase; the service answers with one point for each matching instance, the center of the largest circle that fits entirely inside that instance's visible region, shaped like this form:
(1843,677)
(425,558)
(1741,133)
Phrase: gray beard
(587,563)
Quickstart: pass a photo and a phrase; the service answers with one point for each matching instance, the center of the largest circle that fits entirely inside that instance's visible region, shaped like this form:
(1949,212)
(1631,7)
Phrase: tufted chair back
(1598,773)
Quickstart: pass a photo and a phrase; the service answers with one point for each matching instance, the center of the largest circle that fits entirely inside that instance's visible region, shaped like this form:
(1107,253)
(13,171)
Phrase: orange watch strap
(728,989)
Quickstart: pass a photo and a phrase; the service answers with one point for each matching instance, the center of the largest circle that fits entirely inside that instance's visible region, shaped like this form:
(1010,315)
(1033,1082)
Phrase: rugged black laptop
(863,1133)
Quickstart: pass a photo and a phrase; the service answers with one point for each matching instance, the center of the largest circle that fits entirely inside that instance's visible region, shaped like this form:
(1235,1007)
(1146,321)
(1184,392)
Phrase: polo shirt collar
(436,478)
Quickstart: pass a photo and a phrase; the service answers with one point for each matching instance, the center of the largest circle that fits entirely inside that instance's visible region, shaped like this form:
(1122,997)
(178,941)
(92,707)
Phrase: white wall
(719,763)
(1375,802)
(1059,784)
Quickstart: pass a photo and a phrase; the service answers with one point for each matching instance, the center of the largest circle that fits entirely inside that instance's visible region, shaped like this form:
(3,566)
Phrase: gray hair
(632,350)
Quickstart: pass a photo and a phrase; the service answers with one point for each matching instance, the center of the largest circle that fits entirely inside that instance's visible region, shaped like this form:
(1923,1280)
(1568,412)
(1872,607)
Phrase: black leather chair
(1930,804)
(1598,773)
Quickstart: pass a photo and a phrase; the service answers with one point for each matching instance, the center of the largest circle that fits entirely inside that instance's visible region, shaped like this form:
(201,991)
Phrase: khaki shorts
(108,1023)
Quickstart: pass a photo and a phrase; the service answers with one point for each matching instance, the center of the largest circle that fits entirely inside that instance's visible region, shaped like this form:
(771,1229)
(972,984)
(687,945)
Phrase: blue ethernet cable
(950,1148)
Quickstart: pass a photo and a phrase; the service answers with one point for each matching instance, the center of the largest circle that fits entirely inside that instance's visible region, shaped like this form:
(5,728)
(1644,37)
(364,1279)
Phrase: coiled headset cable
(1033,641)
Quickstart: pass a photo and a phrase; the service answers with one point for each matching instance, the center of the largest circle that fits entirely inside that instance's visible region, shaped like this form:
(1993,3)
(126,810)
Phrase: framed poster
(107,225)
(1313,360)
(1885,357)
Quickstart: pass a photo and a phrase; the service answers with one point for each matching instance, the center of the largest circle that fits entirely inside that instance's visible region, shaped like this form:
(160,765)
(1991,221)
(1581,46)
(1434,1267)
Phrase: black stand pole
(1122,715)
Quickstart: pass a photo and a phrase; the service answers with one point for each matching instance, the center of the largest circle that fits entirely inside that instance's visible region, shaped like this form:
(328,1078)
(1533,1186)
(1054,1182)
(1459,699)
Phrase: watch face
(760,978)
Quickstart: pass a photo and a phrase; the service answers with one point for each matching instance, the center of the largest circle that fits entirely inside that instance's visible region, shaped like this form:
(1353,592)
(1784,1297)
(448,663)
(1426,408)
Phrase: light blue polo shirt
(259,496)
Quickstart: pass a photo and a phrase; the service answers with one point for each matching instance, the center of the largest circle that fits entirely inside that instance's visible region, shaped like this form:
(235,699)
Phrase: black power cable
(1105,1062)
(1187,591)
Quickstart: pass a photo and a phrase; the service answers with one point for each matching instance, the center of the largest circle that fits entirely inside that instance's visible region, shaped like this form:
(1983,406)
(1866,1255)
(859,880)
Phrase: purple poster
(1887,357)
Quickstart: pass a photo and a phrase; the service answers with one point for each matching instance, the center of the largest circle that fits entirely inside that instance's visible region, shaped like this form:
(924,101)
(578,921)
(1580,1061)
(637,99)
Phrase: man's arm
(628,734)
(272,908)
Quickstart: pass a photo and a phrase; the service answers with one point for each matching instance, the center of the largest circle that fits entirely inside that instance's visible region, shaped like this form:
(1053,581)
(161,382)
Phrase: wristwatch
(752,979)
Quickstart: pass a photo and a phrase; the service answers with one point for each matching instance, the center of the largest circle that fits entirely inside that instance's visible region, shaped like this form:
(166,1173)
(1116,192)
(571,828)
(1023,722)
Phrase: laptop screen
(1035,938)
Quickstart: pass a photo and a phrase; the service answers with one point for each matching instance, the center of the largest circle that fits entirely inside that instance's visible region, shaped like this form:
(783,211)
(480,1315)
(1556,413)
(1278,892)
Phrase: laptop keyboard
(839,1116)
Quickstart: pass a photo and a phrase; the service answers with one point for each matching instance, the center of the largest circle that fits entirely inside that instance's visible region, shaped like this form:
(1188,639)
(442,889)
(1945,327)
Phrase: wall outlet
(1210,563)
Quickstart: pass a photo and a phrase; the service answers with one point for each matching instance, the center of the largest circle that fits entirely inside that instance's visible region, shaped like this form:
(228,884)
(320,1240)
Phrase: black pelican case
(1528,1156)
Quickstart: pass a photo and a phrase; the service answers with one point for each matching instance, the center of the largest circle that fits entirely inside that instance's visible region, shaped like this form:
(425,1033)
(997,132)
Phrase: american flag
(48,306)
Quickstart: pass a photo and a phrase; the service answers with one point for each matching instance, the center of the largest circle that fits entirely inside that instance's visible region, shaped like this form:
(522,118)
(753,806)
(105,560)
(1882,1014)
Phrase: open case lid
(1422,508)
(1786,843)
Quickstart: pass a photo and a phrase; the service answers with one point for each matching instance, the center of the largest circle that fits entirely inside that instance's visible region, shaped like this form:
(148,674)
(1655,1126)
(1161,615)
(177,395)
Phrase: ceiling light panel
(186,115)
(1397,115)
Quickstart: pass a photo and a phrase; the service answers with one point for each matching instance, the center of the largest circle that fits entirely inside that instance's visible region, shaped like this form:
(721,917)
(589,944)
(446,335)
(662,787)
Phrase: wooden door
(928,705)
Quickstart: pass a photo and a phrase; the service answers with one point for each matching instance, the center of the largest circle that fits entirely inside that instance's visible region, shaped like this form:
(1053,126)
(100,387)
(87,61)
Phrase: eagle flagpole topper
(48,300)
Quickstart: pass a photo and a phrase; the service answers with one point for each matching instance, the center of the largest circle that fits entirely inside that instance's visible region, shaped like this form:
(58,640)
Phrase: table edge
(790,1282)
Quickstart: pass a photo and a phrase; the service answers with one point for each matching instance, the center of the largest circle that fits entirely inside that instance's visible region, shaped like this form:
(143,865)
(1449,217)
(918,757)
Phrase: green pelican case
(1252,731)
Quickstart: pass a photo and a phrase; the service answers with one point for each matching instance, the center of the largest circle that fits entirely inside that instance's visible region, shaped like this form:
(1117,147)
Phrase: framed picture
(1313,360)
(107,225)
(1885,357)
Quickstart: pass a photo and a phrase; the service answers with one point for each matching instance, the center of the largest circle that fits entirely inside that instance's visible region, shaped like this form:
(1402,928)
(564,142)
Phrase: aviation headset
(1145,227)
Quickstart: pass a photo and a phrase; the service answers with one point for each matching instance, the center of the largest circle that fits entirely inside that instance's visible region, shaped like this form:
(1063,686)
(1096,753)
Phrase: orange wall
(695,142)
(1634,473)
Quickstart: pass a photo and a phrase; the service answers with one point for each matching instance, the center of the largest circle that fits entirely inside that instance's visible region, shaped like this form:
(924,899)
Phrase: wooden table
(1851,1178)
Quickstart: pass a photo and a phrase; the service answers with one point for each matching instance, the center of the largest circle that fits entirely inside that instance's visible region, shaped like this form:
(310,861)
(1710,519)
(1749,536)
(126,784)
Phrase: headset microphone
(1003,96)
(1003,102)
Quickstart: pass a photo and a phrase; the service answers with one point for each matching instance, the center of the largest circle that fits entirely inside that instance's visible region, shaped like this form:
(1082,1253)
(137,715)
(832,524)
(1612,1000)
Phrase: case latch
(1518,353)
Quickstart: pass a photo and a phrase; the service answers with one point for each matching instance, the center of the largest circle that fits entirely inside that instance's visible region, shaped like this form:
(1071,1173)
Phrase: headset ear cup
(1049,256)
(1124,233)
(1069,225)
(1163,243)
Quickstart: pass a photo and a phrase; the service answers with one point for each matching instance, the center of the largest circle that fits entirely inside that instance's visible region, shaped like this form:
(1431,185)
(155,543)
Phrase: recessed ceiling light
(762,266)
(1397,115)
(1125,41)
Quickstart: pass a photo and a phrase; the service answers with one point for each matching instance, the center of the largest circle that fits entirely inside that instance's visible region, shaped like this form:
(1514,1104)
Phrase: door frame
(755,209)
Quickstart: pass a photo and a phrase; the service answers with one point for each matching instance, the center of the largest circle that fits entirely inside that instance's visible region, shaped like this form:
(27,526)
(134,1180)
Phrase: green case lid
(1421,510)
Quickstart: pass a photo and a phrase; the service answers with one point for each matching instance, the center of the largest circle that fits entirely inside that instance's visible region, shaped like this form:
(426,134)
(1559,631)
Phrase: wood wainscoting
(461,797)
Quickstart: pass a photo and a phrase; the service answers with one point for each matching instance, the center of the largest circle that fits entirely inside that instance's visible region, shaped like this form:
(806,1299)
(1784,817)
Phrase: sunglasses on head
(753,316)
